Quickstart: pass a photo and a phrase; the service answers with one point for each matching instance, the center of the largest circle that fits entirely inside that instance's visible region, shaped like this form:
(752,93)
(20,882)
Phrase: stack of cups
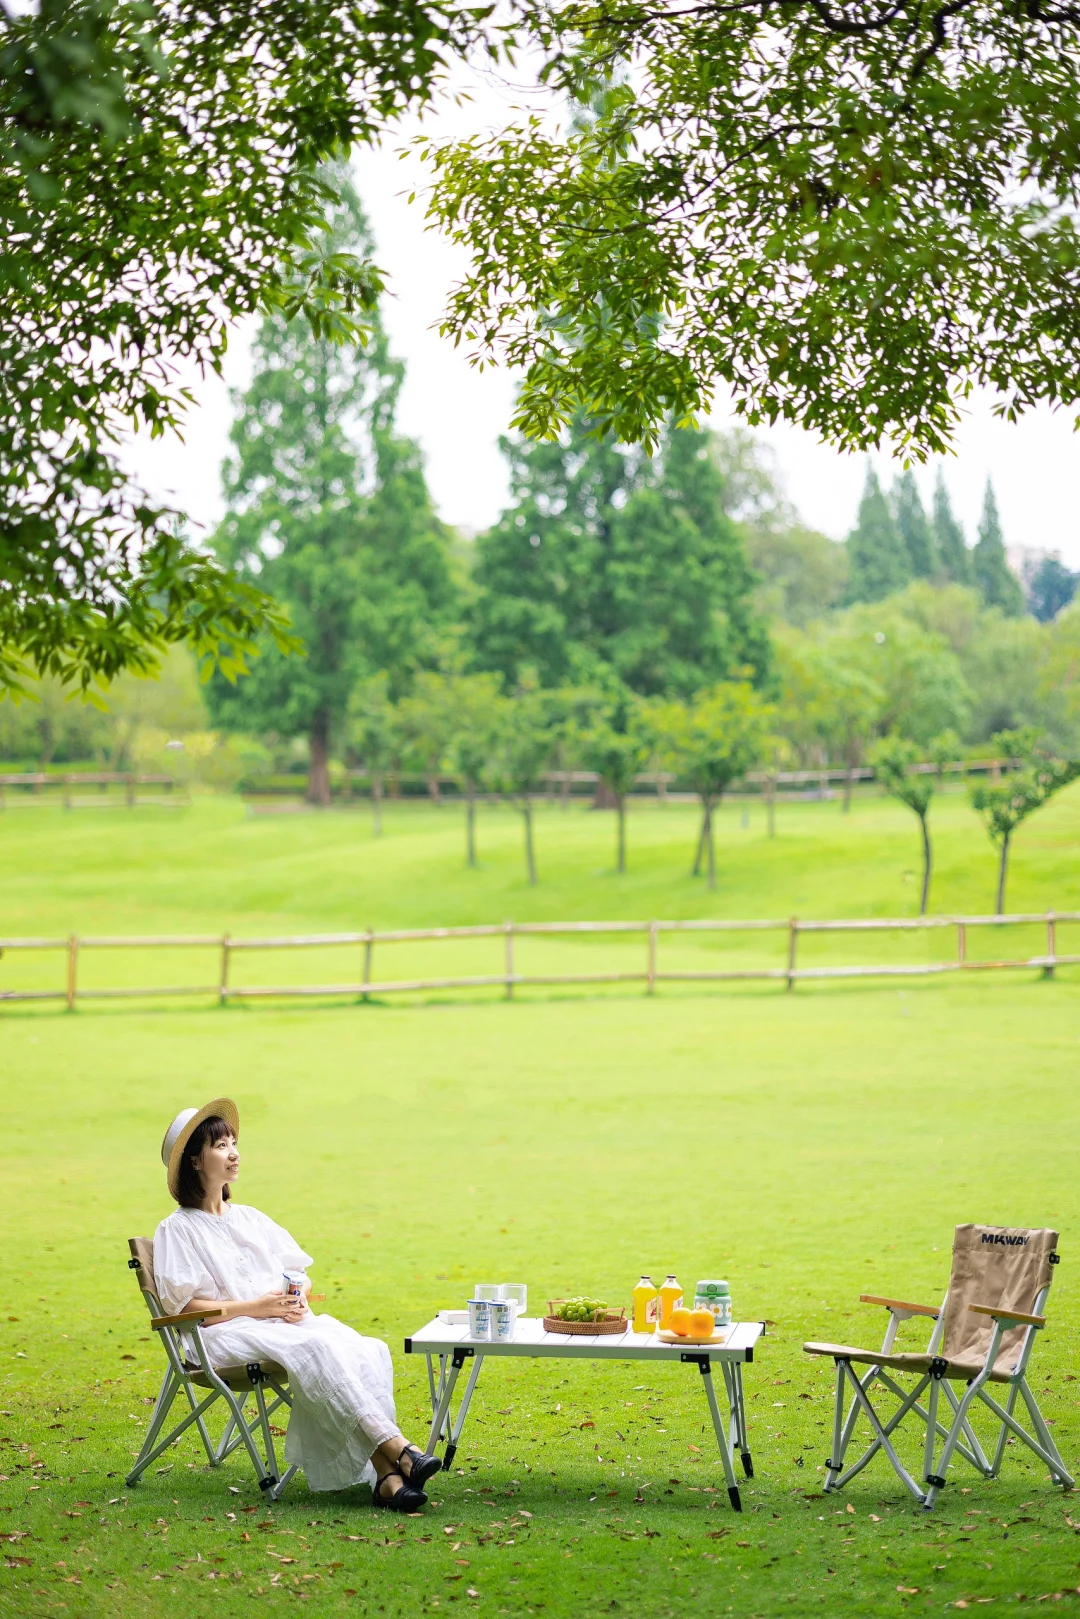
(494,1309)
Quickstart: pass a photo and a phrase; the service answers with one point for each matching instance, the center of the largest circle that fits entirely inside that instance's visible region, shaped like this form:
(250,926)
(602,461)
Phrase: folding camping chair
(189,1369)
(983,1333)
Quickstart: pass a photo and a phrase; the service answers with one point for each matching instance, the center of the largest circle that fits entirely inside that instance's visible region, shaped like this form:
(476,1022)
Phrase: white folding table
(451,1345)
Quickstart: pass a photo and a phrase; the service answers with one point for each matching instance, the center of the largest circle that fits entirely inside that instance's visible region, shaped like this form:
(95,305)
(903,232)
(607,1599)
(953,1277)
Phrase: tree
(714,740)
(617,746)
(522,756)
(914,530)
(994,579)
(1004,805)
(845,216)
(953,554)
(847,705)
(608,565)
(1051,587)
(478,708)
(878,562)
(327,508)
(428,722)
(158,181)
(896,764)
(374,732)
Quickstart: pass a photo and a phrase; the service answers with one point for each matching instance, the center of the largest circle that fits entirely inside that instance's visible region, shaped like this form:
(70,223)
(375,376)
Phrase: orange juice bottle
(645,1305)
(670,1298)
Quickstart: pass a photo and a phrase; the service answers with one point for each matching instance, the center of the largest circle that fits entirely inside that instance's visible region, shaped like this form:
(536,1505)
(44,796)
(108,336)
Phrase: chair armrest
(186,1318)
(898,1305)
(1018,1316)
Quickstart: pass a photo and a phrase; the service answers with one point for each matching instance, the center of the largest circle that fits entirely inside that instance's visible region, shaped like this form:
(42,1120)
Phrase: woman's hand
(278,1306)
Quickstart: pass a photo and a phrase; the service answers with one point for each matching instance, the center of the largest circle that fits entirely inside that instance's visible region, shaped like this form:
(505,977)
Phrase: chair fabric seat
(235,1376)
(957,1371)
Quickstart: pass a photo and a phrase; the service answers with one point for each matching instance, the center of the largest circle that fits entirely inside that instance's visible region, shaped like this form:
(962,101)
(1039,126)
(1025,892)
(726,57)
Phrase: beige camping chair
(984,1333)
(189,1369)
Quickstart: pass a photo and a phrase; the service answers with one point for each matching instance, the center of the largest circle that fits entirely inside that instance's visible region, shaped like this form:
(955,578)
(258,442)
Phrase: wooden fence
(35,783)
(650,973)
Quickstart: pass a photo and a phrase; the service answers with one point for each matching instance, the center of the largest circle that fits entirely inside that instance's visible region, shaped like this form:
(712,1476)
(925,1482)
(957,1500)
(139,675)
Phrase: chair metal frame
(184,1374)
(959,1436)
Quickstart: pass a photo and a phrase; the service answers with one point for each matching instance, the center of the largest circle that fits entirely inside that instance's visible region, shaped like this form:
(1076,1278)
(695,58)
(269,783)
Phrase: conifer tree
(328,510)
(915,531)
(608,560)
(953,554)
(877,558)
(994,579)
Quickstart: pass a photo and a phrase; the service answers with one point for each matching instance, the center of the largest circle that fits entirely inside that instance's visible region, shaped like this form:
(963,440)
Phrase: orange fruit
(680,1320)
(702,1323)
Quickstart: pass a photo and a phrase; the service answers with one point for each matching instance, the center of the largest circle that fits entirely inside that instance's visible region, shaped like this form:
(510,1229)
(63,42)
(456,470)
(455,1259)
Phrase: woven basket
(609,1322)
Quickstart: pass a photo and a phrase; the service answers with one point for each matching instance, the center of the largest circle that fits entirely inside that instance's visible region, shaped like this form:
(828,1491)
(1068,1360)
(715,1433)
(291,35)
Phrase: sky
(457,413)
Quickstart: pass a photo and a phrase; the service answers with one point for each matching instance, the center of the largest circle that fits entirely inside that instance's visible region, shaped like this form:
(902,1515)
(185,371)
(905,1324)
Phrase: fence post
(130,788)
(67,792)
(369,951)
(1051,944)
(650,988)
(509,937)
(72,966)
(223,979)
(961,943)
(793,936)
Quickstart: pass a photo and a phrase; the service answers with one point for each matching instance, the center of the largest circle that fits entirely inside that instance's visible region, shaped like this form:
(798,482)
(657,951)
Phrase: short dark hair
(190,1190)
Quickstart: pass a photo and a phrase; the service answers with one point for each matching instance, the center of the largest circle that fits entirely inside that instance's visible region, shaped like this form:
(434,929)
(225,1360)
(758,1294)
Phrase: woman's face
(218,1163)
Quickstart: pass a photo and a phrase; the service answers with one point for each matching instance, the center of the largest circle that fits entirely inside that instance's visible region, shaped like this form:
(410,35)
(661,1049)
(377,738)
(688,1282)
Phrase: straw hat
(180,1131)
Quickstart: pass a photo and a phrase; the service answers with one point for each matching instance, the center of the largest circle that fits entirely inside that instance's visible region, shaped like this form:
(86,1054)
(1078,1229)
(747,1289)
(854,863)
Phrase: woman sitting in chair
(218,1255)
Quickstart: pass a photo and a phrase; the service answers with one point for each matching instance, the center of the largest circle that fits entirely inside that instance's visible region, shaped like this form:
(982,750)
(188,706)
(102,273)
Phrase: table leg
(438,1421)
(455,1431)
(436,1390)
(739,1412)
(705,1368)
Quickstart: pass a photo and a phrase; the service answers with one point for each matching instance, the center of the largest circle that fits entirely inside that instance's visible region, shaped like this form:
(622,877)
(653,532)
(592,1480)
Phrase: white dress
(342,1385)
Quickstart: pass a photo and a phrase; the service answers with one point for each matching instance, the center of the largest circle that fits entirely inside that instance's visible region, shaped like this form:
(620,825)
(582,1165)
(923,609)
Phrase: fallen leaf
(587,1425)
(908,1590)
(850,1508)
(11,1561)
(470,1592)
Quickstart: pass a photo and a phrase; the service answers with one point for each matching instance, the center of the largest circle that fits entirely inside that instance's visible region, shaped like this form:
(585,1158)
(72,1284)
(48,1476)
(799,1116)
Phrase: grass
(809,1147)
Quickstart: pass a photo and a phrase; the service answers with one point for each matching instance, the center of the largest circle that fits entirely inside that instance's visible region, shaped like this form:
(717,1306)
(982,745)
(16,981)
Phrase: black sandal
(404,1500)
(422,1467)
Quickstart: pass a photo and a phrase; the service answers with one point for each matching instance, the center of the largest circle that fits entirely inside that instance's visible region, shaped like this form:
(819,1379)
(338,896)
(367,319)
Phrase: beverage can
(503,1316)
(480,1319)
(714,1296)
(293,1285)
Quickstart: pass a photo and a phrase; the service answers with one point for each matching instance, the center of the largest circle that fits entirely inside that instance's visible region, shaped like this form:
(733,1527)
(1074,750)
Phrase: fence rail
(650,973)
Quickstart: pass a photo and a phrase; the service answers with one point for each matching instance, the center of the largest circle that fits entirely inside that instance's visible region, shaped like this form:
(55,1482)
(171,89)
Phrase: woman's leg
(388,1459)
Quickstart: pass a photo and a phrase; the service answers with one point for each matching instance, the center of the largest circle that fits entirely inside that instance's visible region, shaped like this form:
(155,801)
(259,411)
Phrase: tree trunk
(700,854)
(376,801)
(603,798)
(470,823)
(564,791)
(770,804)
(1002,870)
(318,791)
(847,788)
(620,811)
(433,787)
(927,859)
(530,858)
(709,842)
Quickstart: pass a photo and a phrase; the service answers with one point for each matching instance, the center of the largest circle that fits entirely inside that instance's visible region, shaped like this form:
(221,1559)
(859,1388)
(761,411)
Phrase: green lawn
(807,1146)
